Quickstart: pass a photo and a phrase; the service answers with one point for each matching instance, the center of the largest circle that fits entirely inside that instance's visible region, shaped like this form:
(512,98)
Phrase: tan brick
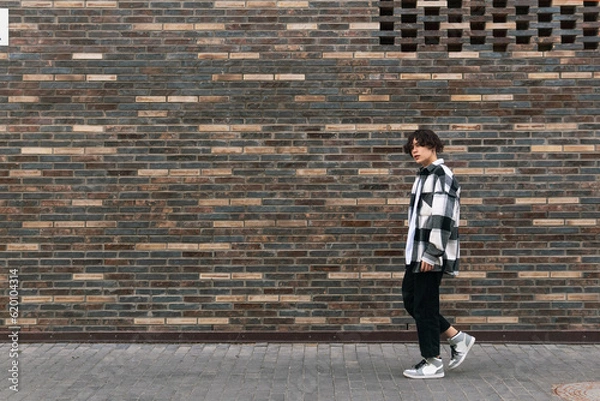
(291,223)
(247,276)
(372,201)
(214,128)
(182,246)
(471,319)
(244,56)
(39,3)
(532,201)
(88,276)
(576,75)
(23,99)
(375,320)
(582,222)
(182,99)
(38,224)
(550,297)
(22,247)
(341,55)
(101,77)
(295,298)
(472,275)
(455,297)
(213,56)
(302,26)
(415,76)
(229,4)
(376,275)
(228,224)
(468,171)
(465,98)
(101,4)
(503,319)
(497,98)
(214,247)
(373,171)
(213,320)
(37,151)
(565,274)
(246,201)
(213,99)
(369,26)
(38,77)
(446,76)
(463,54)
(87,56)
(210,26)
(100,299)
(529,127)
(88,128)
(69,299)
(147,27)
(182,320)
(259,223)
(216,171)
(149,320)
(215,276)
(563,200)
(34,299)
(150,99)
(534,274)
(292,4)
(263,298)
(344,276)
(96,224)
(258,77)
(579,148)
(227,150)
(500,171)
(310,320)
(543,75)
(69,224)
(583,297)
(213,202)
(311,171)
(69,4)
(549,222)
(310,98)
(150,247)
(374,98)
(230,298)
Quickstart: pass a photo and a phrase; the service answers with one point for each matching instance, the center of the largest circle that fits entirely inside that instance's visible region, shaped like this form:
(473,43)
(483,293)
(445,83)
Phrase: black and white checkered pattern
(436,238)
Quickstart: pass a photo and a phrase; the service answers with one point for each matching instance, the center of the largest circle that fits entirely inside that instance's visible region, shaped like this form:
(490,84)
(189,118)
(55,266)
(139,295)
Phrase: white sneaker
(431,368)
(460,345)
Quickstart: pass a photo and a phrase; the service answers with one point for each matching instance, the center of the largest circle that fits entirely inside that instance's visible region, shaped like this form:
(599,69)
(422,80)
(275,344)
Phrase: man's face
(423,155)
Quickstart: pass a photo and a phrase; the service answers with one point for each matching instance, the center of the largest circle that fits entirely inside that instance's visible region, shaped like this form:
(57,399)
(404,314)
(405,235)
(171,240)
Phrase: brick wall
(236,166)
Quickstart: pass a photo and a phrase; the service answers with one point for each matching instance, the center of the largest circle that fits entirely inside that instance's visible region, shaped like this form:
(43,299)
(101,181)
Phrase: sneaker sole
(461,360)
(435,376)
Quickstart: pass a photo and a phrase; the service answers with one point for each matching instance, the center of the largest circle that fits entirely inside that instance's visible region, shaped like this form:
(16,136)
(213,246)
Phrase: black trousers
(421,295)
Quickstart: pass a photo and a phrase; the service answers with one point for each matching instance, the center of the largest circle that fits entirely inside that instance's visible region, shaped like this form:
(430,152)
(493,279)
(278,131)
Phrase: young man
(432,249)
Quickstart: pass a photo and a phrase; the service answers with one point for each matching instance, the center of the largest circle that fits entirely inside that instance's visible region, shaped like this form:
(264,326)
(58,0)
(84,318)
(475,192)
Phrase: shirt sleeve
(442,223)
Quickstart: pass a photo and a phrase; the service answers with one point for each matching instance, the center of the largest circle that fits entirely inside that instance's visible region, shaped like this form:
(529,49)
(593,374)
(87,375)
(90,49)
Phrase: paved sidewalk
(290,372)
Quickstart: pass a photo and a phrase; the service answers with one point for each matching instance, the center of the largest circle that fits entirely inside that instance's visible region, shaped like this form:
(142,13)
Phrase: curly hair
(424,137)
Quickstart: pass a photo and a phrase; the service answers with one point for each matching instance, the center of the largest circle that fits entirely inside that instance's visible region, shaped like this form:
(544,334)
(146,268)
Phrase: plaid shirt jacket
(438,216)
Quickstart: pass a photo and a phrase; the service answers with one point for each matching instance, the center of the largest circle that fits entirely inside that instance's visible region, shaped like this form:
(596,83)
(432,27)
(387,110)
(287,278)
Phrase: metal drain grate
(589,391)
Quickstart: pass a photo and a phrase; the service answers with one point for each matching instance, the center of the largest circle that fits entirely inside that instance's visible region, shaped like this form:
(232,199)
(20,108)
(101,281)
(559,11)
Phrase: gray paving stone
(289,372)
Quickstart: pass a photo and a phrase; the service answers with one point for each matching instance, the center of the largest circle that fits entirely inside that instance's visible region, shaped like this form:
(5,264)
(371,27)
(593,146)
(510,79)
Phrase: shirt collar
(427,170)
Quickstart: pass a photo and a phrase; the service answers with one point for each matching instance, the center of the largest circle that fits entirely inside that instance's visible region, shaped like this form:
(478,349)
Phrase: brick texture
(234,165)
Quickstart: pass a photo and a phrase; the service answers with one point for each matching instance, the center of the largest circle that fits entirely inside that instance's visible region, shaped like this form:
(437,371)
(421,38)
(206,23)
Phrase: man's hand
(426,267)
